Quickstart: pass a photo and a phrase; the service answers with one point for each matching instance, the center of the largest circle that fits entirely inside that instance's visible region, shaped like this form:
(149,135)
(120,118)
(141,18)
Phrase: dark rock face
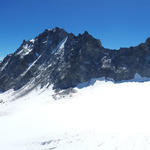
(65,60)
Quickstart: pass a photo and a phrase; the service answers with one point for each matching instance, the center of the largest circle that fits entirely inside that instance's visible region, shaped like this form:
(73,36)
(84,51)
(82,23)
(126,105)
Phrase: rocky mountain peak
(148,42)
(64,60)
(86,34)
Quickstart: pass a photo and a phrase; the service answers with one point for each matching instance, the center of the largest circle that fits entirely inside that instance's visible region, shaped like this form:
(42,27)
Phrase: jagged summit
(147,42)
(64,60)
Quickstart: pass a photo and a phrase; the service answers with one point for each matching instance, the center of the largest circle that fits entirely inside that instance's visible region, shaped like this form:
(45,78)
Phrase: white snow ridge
(101,116)
(27,48)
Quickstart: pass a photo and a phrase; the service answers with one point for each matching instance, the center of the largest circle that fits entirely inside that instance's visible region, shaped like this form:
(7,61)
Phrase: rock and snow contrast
(65,60)
(65,92)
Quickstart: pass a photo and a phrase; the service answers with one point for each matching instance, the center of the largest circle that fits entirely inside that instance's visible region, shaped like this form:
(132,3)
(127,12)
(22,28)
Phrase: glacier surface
(100,116)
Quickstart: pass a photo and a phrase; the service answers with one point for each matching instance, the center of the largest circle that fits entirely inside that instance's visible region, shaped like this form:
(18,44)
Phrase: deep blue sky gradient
(117,23)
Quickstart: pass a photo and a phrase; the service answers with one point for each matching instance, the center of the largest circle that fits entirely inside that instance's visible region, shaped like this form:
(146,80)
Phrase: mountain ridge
(64,60)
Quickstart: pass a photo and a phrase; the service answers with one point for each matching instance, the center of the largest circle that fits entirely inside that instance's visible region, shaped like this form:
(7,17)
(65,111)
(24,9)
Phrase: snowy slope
(98,117)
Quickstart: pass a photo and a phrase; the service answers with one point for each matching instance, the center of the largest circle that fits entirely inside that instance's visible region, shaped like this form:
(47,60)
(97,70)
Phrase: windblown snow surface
(101,116)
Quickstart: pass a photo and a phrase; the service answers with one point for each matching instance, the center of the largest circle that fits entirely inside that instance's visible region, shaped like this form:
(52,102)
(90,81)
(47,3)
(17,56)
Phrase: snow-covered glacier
(99,116)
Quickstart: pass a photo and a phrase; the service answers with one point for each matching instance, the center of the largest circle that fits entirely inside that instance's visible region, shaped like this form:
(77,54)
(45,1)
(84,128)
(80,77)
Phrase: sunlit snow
(27,48)
(60,46)
(102,116)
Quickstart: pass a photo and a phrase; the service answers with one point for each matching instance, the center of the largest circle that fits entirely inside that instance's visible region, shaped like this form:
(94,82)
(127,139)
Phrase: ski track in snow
(102,116)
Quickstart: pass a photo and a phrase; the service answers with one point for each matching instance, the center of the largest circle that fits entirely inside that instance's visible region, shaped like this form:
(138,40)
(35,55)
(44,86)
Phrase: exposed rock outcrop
(65,60)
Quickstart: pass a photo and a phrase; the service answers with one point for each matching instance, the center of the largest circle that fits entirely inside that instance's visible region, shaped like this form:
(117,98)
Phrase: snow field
(101,116)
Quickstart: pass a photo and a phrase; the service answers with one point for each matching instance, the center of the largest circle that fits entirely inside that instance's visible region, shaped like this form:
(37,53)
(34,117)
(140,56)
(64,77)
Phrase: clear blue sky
(117,23)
